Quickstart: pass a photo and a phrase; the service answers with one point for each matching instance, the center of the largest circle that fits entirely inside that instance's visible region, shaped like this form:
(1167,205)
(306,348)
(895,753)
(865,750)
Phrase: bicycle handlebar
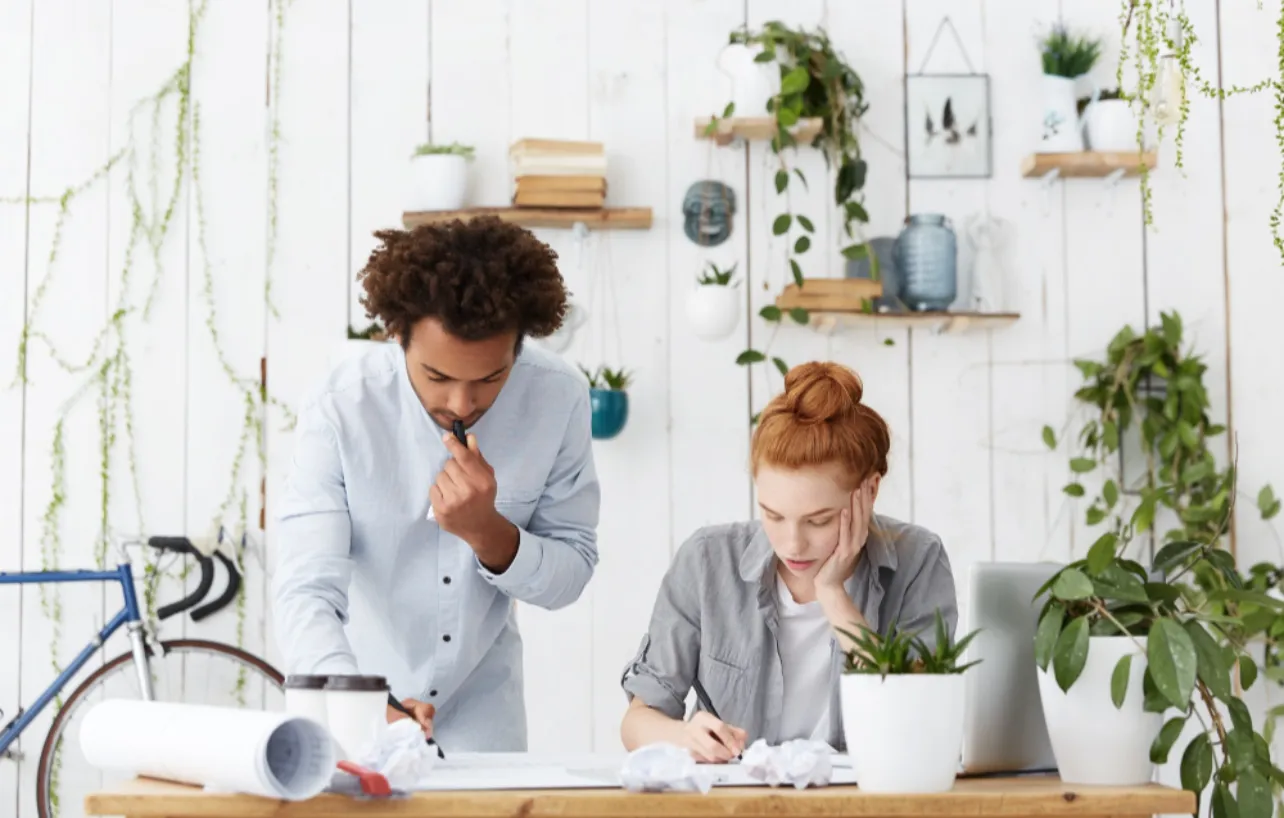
(182,545)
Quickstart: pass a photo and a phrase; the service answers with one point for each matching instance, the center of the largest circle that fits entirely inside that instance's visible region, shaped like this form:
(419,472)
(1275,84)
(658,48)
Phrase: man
(402,548)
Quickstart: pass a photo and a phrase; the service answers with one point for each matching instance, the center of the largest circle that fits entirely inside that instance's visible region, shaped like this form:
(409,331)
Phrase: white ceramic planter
(1062,125)
(437,182)
(713,311)
(1112,126)
(1094,742)
(904,733)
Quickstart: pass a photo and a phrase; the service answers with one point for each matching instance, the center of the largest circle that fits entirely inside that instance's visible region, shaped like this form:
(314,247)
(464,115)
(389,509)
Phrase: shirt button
(446,638)
(432,693)
(446,580)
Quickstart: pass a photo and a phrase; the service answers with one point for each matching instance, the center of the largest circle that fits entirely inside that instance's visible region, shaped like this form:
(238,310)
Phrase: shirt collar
(758,558)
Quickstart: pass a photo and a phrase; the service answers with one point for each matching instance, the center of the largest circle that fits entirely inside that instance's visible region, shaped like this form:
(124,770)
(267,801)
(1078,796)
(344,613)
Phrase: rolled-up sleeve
(314,568)
(662,672)
(557,549)
(931,589)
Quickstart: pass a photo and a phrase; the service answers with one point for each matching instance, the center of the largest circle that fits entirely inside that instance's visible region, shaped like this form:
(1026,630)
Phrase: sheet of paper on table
(537,771)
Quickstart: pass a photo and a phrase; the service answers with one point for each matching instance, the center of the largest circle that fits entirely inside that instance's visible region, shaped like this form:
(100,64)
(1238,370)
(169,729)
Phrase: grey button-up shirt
(715,620)
(364,583)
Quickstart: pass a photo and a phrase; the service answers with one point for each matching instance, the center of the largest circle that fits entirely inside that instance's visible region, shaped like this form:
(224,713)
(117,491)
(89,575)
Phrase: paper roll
(277,755)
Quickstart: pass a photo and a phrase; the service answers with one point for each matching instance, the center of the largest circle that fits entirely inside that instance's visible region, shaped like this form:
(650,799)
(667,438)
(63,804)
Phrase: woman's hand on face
(711,740)
(853,530)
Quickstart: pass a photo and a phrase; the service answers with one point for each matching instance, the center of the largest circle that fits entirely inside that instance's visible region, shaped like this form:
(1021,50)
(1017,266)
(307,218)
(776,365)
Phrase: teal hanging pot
(610,411)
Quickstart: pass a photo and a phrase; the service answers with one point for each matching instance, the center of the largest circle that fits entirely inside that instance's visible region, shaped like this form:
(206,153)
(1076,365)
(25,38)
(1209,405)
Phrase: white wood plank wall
(362,83)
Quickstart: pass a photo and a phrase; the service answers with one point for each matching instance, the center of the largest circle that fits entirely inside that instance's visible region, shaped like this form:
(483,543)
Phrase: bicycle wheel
(193,671)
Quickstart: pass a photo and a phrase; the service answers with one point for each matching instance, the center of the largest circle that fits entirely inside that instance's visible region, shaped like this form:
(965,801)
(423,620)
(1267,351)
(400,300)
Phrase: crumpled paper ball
(799,762)
(663,767)
(401,754)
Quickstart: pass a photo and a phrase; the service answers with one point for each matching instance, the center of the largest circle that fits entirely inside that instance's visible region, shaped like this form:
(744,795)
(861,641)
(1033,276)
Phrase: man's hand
(463,501)
(422,712)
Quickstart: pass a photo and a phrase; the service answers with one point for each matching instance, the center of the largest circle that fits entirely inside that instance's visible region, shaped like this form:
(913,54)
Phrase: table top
(1042,796)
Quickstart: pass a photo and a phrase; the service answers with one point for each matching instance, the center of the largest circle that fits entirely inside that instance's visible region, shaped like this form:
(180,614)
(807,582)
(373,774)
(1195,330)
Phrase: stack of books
(558,173)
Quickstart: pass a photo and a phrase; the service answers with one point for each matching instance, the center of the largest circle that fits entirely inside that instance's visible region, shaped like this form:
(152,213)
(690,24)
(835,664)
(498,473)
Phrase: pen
(396,705)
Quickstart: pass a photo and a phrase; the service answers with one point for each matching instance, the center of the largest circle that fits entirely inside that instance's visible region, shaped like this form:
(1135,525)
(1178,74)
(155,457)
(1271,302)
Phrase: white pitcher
(752,83)
(1062,125)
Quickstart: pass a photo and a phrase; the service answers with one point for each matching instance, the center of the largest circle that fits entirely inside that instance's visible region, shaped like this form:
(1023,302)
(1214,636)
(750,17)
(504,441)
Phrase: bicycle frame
(129,616)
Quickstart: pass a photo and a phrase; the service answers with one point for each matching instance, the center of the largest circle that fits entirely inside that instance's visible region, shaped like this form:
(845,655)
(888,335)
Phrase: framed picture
(947,126)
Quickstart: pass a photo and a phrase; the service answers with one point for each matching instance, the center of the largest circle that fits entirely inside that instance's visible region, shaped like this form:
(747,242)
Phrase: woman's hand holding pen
(710,739)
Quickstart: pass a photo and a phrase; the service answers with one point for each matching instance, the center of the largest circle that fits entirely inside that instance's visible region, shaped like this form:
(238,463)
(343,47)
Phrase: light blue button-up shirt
(365,583)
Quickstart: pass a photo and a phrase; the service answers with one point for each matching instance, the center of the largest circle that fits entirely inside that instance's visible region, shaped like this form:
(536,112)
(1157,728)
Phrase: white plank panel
(1028,385)
(873,43)
(308,266)
(709,412)
(70,115)
(15,75)
(226,311)
(950,374)
(627,86)
(548,63)
(389,118)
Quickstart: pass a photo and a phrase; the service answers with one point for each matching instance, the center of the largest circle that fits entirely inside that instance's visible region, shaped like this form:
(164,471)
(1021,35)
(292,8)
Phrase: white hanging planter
(904,732)
(1094,742)
(438,178)
(713,310)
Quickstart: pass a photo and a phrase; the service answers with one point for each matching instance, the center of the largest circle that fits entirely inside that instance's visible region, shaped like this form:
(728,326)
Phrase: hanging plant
(608,400)
(713,306)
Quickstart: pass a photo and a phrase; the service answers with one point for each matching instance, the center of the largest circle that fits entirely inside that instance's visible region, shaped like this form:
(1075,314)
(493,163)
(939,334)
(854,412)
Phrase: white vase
(1112,126)
(437,181)
(713,311)
(1095,743)
(752,83)
(1062,125)
(988,236)
(904,733)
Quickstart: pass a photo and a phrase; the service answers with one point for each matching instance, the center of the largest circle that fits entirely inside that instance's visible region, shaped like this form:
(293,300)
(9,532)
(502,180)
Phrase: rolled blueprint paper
(272,754)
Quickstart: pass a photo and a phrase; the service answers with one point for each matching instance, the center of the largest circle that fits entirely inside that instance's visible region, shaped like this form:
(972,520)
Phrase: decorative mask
(708,208)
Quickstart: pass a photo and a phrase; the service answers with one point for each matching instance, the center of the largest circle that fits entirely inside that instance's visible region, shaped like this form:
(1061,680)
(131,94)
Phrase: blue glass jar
(926,254)
(610,408)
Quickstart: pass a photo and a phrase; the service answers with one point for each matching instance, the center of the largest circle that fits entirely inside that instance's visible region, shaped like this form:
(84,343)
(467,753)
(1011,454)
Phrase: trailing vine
(1166,25)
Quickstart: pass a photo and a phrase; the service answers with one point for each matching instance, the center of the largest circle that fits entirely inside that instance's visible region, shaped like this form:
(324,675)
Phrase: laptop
(1004,731)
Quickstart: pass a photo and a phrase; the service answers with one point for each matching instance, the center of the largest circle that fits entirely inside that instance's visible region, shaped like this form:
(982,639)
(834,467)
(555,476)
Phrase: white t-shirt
(805,656)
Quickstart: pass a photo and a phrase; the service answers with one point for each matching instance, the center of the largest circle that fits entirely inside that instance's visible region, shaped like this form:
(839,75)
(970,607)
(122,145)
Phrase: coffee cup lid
(354,682)
(306,681)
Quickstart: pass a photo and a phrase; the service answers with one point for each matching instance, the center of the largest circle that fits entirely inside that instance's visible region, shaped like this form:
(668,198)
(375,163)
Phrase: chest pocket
(517,507)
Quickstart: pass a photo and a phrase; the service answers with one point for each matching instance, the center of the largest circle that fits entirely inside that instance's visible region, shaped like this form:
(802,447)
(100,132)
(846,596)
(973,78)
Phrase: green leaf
(797,272)
(1196,472)
(782,180)
(856,251)
(1095,515)
(1197,764)
(800,315)
(793,82)
(1082,465)
(1241,719)
(729,110)
(781,225)
(1212,666)
(1110,493)
(1144,517)
(1072,584)
(781,366)
(1168,735)
(1119,680)
(1267,503)
(1223,802)
(1241,749)
(1254,795)
(750,356)
(1071,652)
(1173,554)
(1110,432)
(1045,638)
(765,56)
(1242,595)
(1049,437)
(1073,489)
(770,312)
(802,178)
(1247,671)
(1102,552)
(802,244)
(1118,584)
(1172,660)
(806,224)
(1187,434)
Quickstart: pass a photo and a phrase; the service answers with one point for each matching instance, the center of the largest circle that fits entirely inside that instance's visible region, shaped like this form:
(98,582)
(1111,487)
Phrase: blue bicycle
(195,671)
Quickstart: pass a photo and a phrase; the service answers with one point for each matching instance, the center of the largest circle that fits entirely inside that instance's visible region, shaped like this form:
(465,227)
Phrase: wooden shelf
(1086,165)
(827,321)
(756,128)
(605,218)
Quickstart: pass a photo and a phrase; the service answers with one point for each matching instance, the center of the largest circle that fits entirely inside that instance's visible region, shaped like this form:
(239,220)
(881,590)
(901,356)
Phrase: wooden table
(1024,797)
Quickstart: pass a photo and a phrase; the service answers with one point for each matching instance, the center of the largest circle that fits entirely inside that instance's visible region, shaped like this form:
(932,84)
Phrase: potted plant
(439,176)
(1111,122)
(608,400)
(1066,57)
(713,306)
(911,696)
(1117,646)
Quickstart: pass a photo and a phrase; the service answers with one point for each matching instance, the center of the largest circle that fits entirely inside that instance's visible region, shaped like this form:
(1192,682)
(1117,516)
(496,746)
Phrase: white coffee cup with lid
(356,712)
(305,696)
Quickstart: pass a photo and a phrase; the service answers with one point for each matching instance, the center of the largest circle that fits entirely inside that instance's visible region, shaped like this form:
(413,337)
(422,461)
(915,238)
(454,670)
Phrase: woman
(747,612)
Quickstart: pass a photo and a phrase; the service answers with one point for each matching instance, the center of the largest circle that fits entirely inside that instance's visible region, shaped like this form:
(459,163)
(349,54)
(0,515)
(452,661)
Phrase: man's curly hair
(480,278)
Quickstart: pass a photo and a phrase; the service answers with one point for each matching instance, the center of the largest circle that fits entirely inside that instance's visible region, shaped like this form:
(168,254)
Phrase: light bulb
(1169,92)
